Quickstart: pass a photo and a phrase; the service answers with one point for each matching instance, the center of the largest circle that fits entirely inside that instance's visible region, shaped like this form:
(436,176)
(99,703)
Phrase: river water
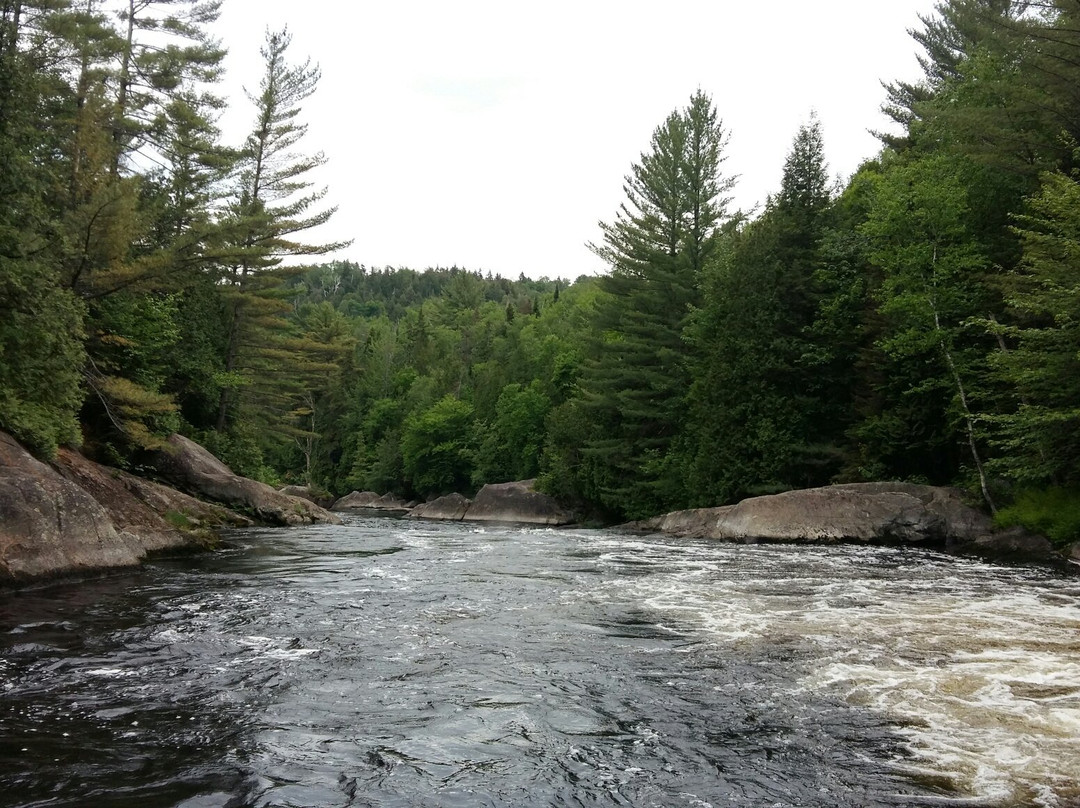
(398,663)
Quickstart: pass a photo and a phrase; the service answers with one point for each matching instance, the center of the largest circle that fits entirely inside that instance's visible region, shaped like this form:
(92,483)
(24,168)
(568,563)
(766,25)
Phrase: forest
(919,321)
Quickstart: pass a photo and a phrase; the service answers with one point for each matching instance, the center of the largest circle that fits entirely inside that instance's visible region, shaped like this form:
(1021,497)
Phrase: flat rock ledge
(859,513)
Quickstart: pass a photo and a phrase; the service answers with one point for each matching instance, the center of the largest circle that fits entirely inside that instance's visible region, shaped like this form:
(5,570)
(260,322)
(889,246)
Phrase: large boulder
(50,525)
(158,517)
(517,502)
(192,468)
(355,501)
(451,507)
(877,513)
(370,501)
(305,492)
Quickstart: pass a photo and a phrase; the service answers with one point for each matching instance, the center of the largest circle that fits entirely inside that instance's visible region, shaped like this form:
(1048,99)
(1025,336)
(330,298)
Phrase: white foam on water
(270,648)
(112,673)
(977,667)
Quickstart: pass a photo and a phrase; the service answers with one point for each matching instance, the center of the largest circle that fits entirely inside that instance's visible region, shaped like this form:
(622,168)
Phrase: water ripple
(392,663)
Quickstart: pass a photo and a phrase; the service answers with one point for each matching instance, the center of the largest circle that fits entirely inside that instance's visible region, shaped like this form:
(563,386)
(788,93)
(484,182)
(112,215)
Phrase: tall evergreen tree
(265,366)
(757,404)
(143,161)
(41,321)
(1040,439)
(637,376)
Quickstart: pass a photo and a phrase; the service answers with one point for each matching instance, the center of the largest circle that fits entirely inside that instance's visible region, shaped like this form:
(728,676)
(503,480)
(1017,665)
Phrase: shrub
(1053,512)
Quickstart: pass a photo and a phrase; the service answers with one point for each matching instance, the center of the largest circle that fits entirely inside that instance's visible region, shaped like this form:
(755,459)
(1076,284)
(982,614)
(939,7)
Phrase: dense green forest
(920,322)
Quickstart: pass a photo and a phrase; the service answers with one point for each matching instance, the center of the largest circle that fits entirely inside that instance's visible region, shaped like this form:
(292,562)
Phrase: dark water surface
(395,663)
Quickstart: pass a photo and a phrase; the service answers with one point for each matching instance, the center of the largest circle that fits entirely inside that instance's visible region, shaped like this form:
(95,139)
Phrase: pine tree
(637,376)
(265,366)
(143,161)
(166,56)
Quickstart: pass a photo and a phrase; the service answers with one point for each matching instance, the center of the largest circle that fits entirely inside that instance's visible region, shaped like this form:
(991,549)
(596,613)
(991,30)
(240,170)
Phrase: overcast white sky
(494,134)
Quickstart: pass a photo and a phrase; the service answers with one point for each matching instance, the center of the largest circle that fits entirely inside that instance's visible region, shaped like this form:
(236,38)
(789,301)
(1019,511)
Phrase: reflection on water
(391,663)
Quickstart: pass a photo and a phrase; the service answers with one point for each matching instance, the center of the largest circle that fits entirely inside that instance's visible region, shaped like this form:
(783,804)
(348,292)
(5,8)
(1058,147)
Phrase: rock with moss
(193,469)
(150,511)
(77,516)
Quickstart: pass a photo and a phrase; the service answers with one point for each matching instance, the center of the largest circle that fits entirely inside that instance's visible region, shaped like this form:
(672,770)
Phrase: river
(399,663)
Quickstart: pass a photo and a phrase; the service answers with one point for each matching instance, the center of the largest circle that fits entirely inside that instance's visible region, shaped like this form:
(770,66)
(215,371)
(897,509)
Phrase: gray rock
(517,502)
(49,525)
(1017,544)
(357,499)
(193,469)
(867,512)
(877,513)
(301,491)
(78,516)
(369,500)
(305,492)
(388,502)
(452,507)
(154,515)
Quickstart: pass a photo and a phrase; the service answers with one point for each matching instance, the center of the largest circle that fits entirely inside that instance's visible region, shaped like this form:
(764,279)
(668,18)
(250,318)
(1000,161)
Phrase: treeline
(919,322)
(144,261)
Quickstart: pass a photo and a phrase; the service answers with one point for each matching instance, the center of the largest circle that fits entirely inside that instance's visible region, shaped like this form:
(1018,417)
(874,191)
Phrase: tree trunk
(969,418)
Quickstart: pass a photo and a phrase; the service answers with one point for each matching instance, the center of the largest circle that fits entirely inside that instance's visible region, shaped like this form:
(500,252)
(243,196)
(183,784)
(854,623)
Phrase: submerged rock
(193,469)
(876,513)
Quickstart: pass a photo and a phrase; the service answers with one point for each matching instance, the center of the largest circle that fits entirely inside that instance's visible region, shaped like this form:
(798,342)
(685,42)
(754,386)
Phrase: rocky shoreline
(883,513)
(496,502)
(75,515)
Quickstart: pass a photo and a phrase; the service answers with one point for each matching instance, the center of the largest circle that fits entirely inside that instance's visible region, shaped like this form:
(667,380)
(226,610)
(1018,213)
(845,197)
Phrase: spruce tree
(1039,440)
(757,406)
(41,321)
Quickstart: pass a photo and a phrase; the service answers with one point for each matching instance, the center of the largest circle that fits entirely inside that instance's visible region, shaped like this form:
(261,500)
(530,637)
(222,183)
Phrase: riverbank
(73,515)
(882,513)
